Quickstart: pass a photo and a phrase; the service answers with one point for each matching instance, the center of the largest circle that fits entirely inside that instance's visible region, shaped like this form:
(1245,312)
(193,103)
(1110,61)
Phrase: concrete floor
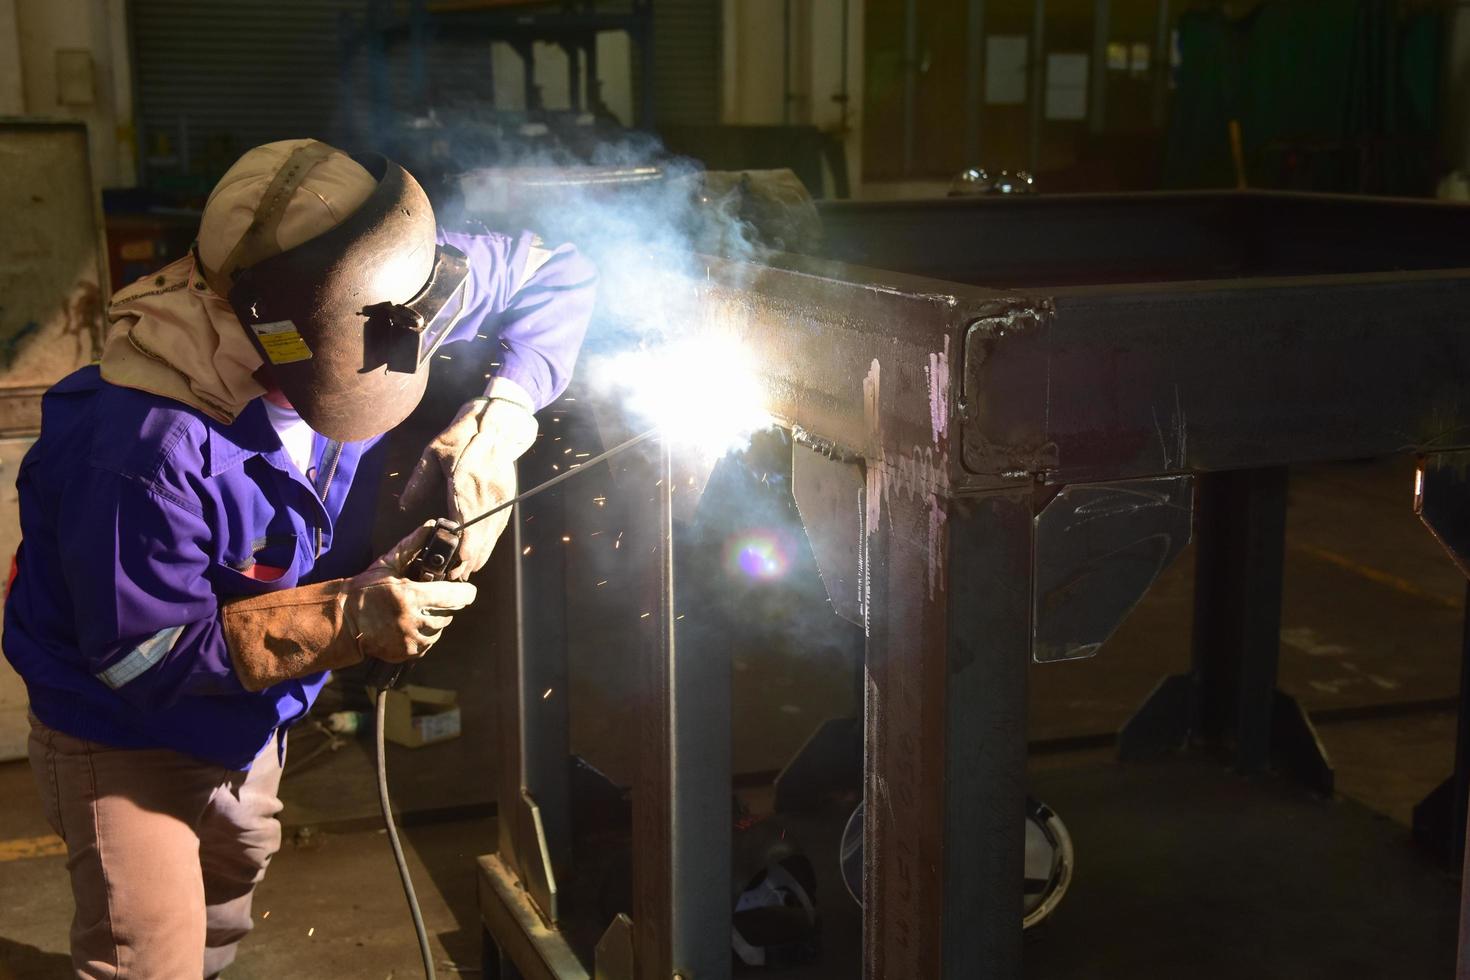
(1372,618)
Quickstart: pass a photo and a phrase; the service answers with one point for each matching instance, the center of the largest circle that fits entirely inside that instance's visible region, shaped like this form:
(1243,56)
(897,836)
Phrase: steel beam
(945,736)
(681,798)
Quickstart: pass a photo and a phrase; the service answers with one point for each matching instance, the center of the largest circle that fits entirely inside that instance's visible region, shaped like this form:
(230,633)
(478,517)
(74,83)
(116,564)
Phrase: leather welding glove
(296,632)
(476,459)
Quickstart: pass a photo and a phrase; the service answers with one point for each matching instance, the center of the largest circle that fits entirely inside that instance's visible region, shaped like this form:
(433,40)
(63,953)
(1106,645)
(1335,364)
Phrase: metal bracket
(1098,548)
(613,959)
(536,871)
(1440,482)
(829,497)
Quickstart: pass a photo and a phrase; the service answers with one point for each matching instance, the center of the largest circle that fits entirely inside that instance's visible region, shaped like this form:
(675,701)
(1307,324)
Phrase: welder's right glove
(296,632)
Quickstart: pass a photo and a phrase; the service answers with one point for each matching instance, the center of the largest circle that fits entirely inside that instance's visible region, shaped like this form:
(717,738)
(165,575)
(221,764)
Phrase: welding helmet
(336,278)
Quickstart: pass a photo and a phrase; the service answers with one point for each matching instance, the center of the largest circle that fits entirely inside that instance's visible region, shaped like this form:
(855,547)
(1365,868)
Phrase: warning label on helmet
(282,342)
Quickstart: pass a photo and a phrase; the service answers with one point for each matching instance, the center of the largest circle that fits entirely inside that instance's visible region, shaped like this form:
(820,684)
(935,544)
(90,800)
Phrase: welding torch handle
(429,564)
(434,559)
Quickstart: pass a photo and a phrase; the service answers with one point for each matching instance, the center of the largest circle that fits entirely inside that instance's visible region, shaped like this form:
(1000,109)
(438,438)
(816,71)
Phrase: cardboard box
(418,716)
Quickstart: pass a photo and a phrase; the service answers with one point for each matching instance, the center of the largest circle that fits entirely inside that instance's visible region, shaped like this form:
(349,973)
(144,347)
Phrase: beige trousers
(164,852)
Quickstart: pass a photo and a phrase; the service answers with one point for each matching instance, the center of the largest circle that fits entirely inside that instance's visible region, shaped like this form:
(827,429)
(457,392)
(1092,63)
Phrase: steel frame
(949,434)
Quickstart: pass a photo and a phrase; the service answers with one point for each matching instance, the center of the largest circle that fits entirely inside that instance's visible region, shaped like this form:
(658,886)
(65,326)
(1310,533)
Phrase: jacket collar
(249,435)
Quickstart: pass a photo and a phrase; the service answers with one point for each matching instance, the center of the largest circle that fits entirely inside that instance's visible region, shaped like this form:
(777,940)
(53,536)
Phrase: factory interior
(984,504)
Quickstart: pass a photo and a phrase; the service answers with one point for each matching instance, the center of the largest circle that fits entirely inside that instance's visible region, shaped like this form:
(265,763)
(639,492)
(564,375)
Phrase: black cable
(403,875)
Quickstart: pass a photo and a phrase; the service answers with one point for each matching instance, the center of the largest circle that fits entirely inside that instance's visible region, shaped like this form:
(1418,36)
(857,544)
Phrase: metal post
(910,81)
(418,42)
(1462,960)
(544,694)
(1163,56)
(974,80)
(681,802)
(945,751)
(1036,66)
(786,62)
(573,51)
(1097,88)
(377,70)
(644,34)
(594,80)
(1237,607)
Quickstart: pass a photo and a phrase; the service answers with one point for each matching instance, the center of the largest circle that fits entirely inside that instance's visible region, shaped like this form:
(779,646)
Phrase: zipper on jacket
(327,470)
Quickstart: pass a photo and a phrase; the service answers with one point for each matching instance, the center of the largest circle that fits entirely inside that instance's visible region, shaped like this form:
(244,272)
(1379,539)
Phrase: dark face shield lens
(401,337)
(442,324)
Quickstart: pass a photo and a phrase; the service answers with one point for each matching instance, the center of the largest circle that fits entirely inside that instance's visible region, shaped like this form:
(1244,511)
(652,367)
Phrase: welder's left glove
(476,458)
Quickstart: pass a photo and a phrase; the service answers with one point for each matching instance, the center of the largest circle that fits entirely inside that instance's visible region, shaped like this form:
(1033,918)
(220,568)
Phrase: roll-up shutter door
(215,77)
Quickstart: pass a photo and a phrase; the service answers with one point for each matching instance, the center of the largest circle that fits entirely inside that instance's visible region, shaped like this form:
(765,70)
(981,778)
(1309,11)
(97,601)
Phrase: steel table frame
(991,475)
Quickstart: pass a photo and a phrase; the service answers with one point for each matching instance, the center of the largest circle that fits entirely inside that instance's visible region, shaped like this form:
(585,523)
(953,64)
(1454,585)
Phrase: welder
(196,517)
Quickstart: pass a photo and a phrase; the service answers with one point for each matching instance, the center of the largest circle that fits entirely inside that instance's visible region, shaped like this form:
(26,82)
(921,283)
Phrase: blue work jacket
(140,515)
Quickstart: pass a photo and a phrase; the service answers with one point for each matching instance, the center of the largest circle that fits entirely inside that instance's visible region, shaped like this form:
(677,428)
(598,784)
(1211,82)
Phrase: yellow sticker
(282,343)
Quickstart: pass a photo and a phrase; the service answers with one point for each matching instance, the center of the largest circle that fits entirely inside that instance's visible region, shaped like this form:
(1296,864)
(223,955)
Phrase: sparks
(602,583)
(545,696)
(311,932)
(566,538)
(645,615)
(526,550)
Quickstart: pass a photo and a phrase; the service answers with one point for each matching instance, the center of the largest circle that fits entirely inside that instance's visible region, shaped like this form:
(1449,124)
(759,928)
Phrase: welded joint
(983,333)
(823,446)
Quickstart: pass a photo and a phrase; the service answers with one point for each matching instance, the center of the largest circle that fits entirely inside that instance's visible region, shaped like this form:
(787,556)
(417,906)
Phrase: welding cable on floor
(385,681)
(413,901)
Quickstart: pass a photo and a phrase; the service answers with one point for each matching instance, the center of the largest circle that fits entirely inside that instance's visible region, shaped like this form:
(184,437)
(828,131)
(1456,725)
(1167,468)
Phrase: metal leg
(1237,608)
(543,690)
(945,736)
(1462,961)
(1439,819)
(493,962)
(1440,495)
(1230,696)
(681,801)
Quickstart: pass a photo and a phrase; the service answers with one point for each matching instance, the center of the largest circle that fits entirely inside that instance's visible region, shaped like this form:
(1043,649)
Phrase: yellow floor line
(48,845)
(1375,575)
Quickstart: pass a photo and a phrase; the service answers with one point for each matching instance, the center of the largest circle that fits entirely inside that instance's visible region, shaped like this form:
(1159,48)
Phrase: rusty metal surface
(1053,240)
(969,415)
(861,360)
(537,951)
(1114,383)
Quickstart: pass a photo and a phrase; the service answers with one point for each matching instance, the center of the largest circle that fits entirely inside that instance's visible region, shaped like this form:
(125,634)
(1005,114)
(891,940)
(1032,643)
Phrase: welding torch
(433,561)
